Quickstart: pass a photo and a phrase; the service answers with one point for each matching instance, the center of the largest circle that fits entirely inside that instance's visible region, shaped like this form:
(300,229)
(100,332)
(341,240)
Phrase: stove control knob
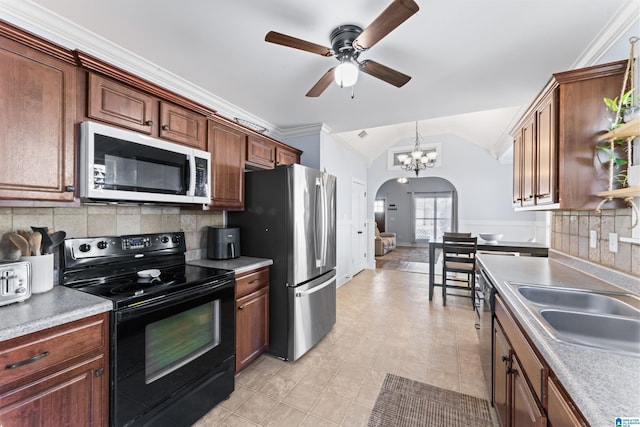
(102,244)
(164,239)
(175,239)
(85,247)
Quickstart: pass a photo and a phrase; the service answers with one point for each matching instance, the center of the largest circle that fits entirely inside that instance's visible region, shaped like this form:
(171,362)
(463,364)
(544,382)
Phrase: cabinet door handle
(241,307)
(511,371)
(27,361)
(254,281)
(504,358)
(149,123)
(165,127)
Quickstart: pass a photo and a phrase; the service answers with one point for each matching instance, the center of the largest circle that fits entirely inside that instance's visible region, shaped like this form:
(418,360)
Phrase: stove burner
(135,289)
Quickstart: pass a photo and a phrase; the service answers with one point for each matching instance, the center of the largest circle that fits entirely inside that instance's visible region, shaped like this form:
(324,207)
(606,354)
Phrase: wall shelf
(627,130)
(622,193)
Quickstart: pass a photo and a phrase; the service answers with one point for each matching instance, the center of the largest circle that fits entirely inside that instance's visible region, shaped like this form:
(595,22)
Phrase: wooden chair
(459,258)
(451,234)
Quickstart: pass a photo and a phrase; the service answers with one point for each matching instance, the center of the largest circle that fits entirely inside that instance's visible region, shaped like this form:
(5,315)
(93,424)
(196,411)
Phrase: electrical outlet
(613,242)
(593,239)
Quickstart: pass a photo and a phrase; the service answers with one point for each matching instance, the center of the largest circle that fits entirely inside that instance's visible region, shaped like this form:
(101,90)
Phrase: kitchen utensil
(46,239)
(54,240)
(25,234)
(34,242)
(149,274)
(21,243)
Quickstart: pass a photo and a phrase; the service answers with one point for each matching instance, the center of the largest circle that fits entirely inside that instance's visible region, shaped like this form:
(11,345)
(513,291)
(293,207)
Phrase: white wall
(484,187)
(339,160)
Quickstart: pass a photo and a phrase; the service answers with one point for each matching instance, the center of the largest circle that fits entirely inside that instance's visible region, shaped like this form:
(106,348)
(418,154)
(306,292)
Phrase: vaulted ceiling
(475,64)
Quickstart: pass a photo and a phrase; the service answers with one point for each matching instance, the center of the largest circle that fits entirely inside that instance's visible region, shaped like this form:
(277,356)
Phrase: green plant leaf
(627,97)
(612,104)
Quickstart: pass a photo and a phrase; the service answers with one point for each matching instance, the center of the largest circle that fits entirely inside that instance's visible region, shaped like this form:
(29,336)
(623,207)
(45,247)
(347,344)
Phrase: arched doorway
(418,211)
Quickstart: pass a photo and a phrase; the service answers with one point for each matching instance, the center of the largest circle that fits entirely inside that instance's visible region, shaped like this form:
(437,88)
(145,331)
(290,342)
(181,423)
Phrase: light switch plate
(593,239)
(613,242)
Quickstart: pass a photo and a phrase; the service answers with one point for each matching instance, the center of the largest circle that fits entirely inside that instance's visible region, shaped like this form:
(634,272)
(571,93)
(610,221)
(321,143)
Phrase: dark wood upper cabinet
(546,182)
(261,152)
(119,104)
(183,126)
(227,146)
(284,156)
(555,161)
(37,113)
(267,154)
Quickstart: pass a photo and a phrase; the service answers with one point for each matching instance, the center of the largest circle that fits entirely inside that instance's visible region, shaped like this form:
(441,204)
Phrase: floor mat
(405,258)
(403,403)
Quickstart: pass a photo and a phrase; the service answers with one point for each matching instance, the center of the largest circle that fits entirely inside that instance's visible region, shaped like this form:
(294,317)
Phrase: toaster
(15,281)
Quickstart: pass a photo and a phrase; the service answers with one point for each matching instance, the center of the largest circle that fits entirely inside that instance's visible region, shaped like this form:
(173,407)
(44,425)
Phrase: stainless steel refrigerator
(290,217)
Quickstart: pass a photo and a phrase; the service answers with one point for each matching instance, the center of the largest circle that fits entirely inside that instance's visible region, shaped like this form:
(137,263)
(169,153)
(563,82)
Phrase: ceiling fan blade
(322,84)
(384,73)
(394,15)
(285,40)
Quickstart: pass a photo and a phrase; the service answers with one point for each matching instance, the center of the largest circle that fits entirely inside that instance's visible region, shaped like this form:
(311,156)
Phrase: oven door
(164,349)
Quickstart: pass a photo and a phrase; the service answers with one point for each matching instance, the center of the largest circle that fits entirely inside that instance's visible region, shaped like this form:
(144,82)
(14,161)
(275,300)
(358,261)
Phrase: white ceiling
(474,63)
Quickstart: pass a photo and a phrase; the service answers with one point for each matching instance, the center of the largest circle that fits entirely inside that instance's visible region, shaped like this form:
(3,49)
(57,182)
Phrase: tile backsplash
(94,220)
(570,235)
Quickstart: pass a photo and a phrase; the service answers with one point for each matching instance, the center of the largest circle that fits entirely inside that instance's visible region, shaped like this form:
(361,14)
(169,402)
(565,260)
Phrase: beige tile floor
(385,324)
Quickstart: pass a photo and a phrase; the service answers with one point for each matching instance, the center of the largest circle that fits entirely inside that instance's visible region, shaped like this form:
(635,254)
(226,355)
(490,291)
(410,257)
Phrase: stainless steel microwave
(120,165)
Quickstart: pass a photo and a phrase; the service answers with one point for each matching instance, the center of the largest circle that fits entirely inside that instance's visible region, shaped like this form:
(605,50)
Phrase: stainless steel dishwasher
(484,325)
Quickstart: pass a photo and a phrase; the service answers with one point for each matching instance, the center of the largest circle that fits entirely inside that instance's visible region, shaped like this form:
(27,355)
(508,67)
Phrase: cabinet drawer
(535,372)
(252,281)
(26,355)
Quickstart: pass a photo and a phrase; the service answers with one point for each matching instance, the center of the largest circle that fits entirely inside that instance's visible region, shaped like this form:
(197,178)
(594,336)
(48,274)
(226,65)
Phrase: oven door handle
(162,302)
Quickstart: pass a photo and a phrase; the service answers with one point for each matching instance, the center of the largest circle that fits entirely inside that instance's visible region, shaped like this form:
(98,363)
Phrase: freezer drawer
(314,313)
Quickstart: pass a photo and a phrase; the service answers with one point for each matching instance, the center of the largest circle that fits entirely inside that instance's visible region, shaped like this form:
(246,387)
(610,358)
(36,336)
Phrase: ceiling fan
(348,42)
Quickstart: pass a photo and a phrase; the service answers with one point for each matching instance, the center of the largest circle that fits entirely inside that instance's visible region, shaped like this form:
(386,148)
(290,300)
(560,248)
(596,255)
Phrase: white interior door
(358,227)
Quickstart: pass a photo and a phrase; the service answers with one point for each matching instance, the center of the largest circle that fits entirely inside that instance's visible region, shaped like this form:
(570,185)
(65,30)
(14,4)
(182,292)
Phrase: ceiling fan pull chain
(353,92)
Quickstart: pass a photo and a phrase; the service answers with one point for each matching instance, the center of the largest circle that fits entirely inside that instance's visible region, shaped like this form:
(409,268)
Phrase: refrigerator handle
(315,289)
(320,246)
(317,226)
(325,224)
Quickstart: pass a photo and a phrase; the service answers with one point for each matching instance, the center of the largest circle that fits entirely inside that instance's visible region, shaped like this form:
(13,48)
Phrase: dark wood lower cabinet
(57,377)
(252,316)
(525,410)
(517,403)
(70,397)
(501,354)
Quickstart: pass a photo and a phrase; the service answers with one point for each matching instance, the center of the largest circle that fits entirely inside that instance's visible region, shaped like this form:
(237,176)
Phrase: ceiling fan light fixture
(346,74)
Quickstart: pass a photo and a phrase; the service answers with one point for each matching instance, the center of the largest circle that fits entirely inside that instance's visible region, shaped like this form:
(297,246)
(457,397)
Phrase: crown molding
(312,129)
(48,25)
(626,17)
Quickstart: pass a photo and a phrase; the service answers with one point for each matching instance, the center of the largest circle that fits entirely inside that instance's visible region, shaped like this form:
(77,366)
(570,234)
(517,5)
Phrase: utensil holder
(41,272)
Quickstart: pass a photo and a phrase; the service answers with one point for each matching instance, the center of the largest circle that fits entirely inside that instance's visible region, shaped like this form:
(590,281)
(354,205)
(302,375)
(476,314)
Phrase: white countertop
(61,304)
(604,385)
(239,265)
(55,307)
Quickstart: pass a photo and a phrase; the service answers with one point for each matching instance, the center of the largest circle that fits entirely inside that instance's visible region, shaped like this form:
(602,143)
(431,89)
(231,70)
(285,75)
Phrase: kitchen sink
(616,333)
(600,319)
(582,300)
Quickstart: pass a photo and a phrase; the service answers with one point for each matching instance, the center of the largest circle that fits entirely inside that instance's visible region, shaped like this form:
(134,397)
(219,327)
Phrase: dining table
(515,248)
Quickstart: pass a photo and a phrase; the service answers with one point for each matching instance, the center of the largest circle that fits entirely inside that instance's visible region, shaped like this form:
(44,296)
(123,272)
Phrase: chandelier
(418,160)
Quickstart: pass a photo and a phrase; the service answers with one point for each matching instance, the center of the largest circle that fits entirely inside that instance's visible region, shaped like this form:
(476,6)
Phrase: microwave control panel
(202,180)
